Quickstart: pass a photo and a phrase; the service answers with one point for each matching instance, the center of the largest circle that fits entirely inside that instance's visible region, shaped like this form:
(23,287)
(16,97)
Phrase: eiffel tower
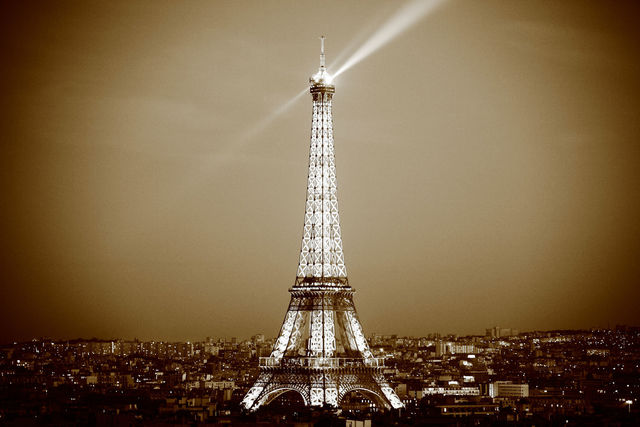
(321,351)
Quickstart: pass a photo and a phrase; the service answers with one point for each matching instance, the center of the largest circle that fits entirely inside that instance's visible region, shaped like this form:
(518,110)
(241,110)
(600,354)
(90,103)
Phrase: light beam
(265,122)
(407,16)
(404,18)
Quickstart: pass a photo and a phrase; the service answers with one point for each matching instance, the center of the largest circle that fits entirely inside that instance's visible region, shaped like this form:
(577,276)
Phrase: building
(508,389)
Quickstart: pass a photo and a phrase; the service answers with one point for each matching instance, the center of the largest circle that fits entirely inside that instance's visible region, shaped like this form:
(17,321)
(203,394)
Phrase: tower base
(322,386)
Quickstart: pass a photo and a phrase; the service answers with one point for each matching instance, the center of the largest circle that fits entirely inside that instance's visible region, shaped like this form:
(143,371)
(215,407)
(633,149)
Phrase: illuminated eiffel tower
(321,351)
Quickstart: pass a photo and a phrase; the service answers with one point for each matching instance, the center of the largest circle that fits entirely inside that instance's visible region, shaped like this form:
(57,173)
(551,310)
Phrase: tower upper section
(321,82)
(321,257)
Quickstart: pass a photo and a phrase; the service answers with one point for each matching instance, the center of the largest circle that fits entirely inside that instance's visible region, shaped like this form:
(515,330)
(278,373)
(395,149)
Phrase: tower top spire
(322,79)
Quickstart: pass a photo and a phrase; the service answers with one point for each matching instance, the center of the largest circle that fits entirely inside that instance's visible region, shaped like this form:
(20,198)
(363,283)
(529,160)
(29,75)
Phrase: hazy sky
(488,165)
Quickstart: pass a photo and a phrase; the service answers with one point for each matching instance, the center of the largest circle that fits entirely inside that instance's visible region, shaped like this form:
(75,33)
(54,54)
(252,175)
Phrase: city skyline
(546,378)
(153,184)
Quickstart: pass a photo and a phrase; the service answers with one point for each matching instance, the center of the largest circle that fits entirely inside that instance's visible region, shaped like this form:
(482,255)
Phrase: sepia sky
(488,165)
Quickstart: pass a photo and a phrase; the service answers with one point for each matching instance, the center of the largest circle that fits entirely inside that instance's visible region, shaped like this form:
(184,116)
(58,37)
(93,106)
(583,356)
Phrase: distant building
(508,389)
(401,389)
(444,347)
(498,332)
(451,391)
(212,349)
(468,409)
(455,348)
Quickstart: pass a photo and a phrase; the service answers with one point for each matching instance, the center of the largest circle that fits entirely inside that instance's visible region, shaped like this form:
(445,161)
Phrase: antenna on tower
(321,78)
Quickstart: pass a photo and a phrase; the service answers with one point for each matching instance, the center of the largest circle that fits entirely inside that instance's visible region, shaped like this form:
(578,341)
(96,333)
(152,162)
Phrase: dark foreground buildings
(536,378)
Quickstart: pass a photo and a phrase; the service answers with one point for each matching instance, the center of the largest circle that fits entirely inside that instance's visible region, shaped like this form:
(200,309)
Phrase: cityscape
(587,377)
(151,181)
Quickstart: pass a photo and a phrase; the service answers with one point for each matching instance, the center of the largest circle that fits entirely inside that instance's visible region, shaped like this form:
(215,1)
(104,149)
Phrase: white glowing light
(361,341)
(402,20)
(331,396)
(329,334)
(322,76)
(316,396)
(295,335)
(285,334)
(393,398)
(251,396)
(259,127)
(315,343)
(321,254)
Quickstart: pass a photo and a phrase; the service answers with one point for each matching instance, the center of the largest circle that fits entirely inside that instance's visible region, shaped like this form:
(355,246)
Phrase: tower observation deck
(321,351)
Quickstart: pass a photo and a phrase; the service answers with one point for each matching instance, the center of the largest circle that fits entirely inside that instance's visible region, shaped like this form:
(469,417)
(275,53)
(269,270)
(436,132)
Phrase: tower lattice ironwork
(321,351)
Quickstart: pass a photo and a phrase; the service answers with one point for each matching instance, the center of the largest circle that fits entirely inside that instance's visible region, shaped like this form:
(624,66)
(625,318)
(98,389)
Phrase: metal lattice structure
(321,351)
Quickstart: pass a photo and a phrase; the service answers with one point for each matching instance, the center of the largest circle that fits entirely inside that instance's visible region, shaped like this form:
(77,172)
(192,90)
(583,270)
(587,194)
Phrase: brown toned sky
(488,165)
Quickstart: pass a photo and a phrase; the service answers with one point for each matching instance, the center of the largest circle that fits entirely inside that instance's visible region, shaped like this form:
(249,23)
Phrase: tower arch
(374,395)
(272,395)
